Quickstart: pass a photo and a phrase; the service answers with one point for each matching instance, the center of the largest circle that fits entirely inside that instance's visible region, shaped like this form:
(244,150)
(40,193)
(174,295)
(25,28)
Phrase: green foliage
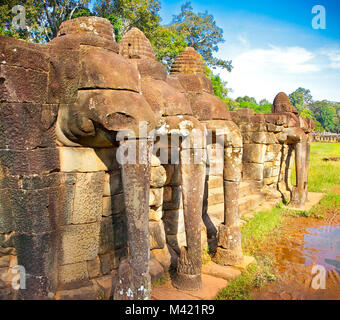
(81,12)
(326,114)
(168,43)
(117,26)
(201,33)
(247,99)
(254,277)
(142,14)
(296,100)
(34,30)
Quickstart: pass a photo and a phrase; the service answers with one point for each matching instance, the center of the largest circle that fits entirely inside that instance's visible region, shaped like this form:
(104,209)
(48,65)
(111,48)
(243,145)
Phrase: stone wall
(86,227)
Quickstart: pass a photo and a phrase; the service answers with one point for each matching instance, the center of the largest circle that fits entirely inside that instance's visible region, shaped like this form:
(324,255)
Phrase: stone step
(245,189)
(216,211)
(215,196)
(215,182)
(218,271)
(250,203)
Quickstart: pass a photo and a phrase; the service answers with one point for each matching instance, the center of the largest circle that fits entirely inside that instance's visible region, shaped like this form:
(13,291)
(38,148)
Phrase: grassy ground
(265,226)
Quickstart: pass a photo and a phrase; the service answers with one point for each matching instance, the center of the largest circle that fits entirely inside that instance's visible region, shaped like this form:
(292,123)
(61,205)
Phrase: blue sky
(273,45)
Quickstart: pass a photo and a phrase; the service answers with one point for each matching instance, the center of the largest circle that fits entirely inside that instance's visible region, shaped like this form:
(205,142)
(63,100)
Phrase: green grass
(256,230)
(255,276)
(323,177)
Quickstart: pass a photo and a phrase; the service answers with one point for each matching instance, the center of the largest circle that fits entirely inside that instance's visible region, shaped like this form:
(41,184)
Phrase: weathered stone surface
(158,177)
(173,175)
(253,171)
(29,162)
(37,253)
(113,184)
(88,198)
(219,271)
(157,235)
(163,256)
(87,159)
(113,205)
(79,243)
(93,268)
(156,270)
(73,273)
(83,293)
(254,153)
(232,164)
(156,214)
(116,73)
(36,211)
(176,201)
(113,234)
(23,85)
(25,126)
(164,99)
(135,45)
(156,197)
(174,221)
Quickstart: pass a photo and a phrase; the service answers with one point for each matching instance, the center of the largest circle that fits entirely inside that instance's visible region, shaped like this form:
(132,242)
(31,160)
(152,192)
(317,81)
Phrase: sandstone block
(156,214)
(79,243)
(88,198)
(158,177)
(38,253)
(30,162)
(23,85)
(93,268)
(156,270)
(113,184)
(73,273)
(232,164)
(113,205)
(163,256)
(113,234)
(116,73)
(254,153)
(157,235)
(25,126)
(174,221)
(176,201)
(156,197)
(87,159)
(252,171)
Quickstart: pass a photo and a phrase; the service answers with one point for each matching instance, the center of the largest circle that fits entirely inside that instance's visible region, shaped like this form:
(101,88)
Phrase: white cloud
(334,58)
(293,60)
(262,73)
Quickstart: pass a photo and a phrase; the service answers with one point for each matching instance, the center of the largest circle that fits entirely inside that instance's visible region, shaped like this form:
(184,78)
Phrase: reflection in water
(322,247)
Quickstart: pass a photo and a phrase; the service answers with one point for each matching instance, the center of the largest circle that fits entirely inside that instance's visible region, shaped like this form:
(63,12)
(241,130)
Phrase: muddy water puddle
(307,248)
(322,247)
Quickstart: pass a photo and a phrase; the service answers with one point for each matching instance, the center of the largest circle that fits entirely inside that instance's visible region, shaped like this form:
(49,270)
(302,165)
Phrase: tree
(43,18)
(168,43)
(325,114)
(301,98)
(308,114)
(264,102)
(201,33)
(307,97)
(142,14)
(33,30)
(296,99)
(247,99)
